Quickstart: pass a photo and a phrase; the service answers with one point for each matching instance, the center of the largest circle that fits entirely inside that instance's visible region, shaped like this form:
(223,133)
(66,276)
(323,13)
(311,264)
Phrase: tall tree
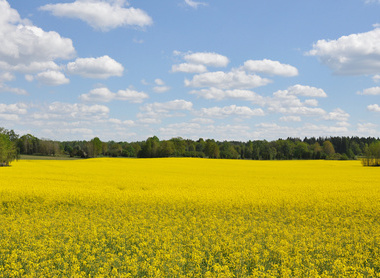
(328,148)
(8,151)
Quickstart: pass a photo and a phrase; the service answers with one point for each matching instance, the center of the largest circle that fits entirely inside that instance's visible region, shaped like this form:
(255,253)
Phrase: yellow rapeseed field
(179,217)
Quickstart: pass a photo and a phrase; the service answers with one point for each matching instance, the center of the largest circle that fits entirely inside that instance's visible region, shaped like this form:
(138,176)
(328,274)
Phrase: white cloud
(306,91)
(376,78)
(27,48)
(159,82)
(373,108)
(194,4)
(374,91)
(355,54)
(29,77)
(120,122)
(161,88)
(131,95)
(148,120)
(235,79)
(337,115)
(52,78)
(270,67)
(164,107)
(232,110)
(202,121)
(219,94)
(302,110)
(102,67)
(16,108)
(154,112)
(98,95)
(17,91)
(189,68)
(311,102)
(285,103)
(101,15)
(105,95)
(9,117)
(273,131)
(207,59)
(6,76)
(290,119)
(367,128)
(32,67)
(185,129)
(78,111)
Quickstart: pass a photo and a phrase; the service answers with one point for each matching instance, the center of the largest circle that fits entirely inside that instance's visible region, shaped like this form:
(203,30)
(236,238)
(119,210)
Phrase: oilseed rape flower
(179,217)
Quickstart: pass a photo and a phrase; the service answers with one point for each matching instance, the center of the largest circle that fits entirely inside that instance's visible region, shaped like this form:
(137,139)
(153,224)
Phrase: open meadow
(179,217)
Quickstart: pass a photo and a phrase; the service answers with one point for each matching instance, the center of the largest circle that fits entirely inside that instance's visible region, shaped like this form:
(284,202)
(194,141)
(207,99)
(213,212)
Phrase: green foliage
(328,148)
(372,154)
(334,148)
(8,151)
(212,149)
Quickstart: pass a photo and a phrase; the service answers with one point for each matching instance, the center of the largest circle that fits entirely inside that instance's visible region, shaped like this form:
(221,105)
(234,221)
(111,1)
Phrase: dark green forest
(337,148)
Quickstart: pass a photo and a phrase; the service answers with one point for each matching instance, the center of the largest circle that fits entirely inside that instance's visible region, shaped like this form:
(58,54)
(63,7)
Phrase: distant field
(43,157)
(181,217)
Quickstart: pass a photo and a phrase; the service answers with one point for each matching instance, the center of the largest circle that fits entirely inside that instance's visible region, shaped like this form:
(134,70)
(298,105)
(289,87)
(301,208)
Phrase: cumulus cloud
(120,122)
(286,103)
(32,67)
(367,128)
(232,110)
(16,108)
(337,115)
(202,121)
(27,48)
(101,15)
(76,110)
(12,112)
(290,119)
(355,54)
(376,78)
(374,91)
(159,82)
(207,58)
(235,79)
(306,91)
(197,62)
(189,68)
(52,78)
(373,108)
(160,88)
(9,117)
(311,102)
(102,67)
(163,107)
(219,94)
(152,113)
(270,67)
(105,95)
(6,76)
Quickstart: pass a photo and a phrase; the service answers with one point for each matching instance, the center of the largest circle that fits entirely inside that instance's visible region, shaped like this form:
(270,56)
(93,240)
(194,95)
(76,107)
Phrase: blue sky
(228,70)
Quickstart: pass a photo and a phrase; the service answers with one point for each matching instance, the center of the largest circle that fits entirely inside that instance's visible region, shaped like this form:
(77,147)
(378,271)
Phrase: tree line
(342,148)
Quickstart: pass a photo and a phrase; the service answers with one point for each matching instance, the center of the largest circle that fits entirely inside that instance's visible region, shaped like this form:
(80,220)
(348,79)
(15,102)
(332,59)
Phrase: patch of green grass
(43,157)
